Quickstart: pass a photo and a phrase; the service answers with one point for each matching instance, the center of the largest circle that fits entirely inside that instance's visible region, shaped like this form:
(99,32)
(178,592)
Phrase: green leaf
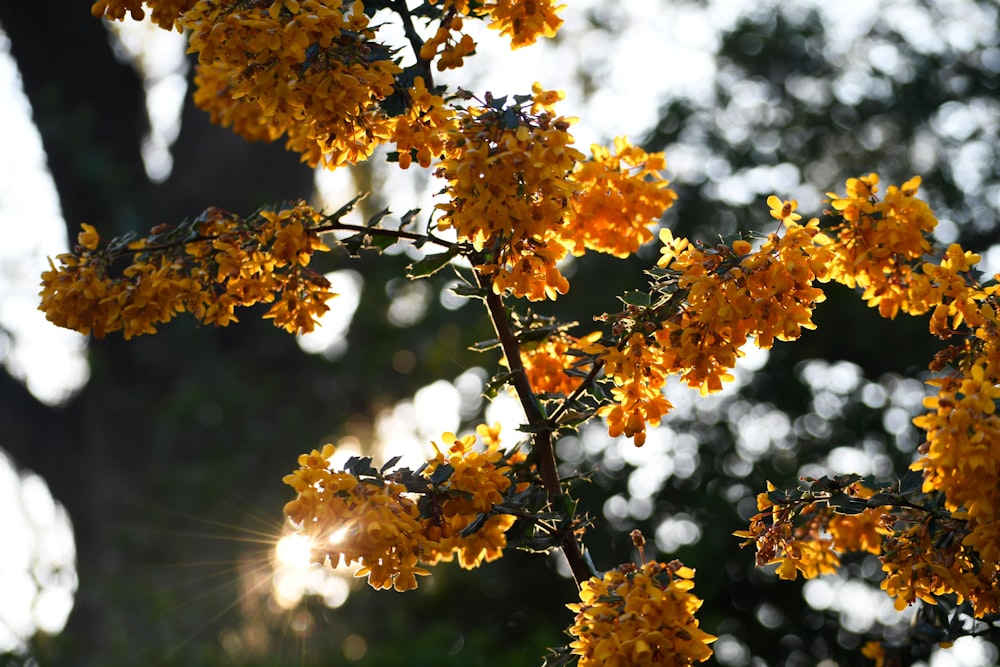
(636,298)
(471,291)
(431,264)
(778,496)
(484,345)
(355,243)
(499,380)
(573,418)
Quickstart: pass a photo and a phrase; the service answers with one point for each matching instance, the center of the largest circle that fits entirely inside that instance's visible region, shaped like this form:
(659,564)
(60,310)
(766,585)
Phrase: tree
(682,299)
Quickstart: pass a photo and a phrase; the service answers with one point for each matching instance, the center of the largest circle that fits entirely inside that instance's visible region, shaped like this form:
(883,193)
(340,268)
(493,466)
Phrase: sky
(677,37)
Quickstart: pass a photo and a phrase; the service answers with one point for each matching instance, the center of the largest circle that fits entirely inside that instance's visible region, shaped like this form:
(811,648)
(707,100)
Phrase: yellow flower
(874,650)
(88,237)
(783,210)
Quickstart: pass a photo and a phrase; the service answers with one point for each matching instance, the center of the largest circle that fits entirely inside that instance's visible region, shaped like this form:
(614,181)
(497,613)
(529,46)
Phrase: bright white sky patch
(49,359)
(38,559)
(330,337)
(158,56)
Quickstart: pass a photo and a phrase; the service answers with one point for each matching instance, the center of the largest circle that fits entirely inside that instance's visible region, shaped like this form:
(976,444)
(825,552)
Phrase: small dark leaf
(345,209)
(377,218)
(499,380)
(509,119)
(911,482)
(391,462)
(636,298)
(882,499)
(405,219)
(484,345)
(845,504)
(471,291)
(360,466)
(474,525)
(441,473)
(431,264)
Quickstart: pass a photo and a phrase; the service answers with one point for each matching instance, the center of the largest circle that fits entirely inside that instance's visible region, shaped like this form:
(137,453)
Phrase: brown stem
(374,231)
(399,6)
(541,428)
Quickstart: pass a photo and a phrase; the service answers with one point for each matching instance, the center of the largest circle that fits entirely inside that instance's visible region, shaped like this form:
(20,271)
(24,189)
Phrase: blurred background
(140,481)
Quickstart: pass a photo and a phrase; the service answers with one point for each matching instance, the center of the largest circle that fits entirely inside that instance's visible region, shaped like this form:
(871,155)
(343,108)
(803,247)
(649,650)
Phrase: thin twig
(569,400)
(395,233)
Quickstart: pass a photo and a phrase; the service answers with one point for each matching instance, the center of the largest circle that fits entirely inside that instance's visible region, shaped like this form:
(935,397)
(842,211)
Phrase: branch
(540,427)
(395,233)
(331,227)
(399,6)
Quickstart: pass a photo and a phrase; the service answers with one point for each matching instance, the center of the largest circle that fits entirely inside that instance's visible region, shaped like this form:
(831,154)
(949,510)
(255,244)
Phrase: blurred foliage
(170,460)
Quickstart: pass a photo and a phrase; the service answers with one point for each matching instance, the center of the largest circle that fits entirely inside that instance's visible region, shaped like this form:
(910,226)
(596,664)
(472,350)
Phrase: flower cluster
(639,370)
(620,195)
(449,44)
(165,12)
(206,267)
(420,133)
(883,247)
(639,616)
(925,551)
(393,524)
(959,460)
(350,518)
(804,534)
(507,170)
(881,243)
(523,21)
(733,294)
(523,196)
(311,68)
(712,301)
